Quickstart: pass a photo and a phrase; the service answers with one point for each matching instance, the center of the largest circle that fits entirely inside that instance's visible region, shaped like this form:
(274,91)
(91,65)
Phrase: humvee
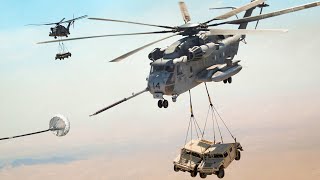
(191,156)
(63,55)
(218,157)
(206,157)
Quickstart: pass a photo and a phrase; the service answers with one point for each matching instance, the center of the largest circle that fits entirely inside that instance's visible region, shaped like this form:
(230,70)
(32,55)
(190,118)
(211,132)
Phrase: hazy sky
(272,104)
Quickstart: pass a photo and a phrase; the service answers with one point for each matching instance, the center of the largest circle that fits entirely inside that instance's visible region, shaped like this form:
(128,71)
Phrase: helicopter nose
(156,84)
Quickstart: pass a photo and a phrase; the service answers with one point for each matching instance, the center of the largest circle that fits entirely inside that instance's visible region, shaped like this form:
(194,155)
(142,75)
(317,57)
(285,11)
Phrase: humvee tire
(203,175)
(238,155)
(220,173)
(175,168)
(194,173)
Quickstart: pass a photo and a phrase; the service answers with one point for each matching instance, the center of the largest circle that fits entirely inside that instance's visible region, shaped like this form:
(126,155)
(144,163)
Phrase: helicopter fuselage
(59,31)
(191,61)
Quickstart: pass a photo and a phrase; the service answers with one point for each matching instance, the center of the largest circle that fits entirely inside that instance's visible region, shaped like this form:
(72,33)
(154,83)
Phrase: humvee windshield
(214,156)
(192,153)
(217,156)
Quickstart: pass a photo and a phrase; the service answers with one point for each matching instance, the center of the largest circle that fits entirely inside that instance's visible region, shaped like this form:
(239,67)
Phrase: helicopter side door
(180,78)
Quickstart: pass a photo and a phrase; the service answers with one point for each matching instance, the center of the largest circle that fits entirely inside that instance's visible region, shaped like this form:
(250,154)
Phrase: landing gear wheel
(203,175)
(55,37)
(238,155)
(175,168)
(225,81)
(193,173)
(165,103)
(230,80)
(160,105)
(220,173)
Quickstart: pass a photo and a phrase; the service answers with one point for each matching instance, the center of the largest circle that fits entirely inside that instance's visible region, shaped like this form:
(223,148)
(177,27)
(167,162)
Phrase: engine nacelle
(195,53)
(157,53)
(203,51)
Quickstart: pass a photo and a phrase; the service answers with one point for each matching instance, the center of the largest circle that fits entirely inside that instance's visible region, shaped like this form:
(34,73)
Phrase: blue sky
(34,86)
(15,14)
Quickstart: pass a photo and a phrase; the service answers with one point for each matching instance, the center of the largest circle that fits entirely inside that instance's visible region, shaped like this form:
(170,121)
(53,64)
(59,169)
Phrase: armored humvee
(218,157)
(206,157)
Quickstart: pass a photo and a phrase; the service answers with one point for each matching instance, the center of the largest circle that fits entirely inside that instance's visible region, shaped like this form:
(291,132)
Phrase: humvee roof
(198,146)
(219,148)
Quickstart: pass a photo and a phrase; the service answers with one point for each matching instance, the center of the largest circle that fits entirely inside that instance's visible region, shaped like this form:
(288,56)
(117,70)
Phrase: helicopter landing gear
(160,103)
(174,98)
(229,80)
(163,103)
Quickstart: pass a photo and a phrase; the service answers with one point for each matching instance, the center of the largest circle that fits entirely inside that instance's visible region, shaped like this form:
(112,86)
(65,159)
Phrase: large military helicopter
(59,30)
(203,54)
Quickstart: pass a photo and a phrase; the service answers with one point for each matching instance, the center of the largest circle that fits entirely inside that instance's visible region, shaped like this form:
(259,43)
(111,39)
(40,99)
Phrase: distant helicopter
(202,55)
(59,30)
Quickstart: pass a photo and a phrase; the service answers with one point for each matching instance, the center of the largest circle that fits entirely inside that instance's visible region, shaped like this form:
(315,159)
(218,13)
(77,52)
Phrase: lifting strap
(215,120)
(192,122)
(62,47)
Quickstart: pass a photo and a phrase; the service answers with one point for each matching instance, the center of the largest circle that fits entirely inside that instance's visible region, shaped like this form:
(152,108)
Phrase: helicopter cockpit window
(162,68)
(157,68)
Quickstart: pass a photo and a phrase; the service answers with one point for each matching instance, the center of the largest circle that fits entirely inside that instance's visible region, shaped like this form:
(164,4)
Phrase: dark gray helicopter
(59,30)
(203,54)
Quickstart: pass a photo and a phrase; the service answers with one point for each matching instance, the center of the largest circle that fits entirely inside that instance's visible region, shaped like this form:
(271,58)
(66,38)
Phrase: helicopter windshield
(166,68)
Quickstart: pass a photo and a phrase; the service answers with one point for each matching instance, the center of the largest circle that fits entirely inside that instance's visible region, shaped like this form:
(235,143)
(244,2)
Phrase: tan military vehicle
(218,157)
(206,157)
(191,156)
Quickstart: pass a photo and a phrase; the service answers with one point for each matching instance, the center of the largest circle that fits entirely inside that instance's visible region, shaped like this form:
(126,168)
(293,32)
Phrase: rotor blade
(237,10)
(269,15)
(119,102)
(131,22)
(100,36)
(184,11)
(61,20)
(227,7)
(41,24)
(245,31)
(81,17)
(120,58)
